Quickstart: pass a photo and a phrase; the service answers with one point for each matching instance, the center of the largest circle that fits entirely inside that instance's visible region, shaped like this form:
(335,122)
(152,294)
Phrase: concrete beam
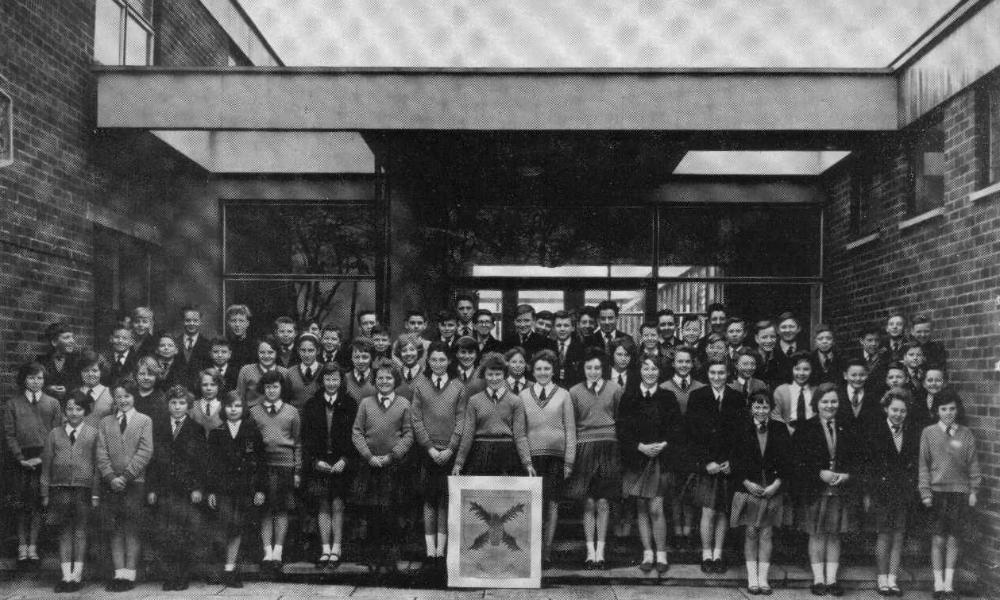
(736,190)
(273,151)
(469,99)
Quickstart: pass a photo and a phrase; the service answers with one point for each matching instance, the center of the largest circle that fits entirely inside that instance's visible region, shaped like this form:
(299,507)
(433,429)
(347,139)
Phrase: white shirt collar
(718,394)
(277,405)
(127,413)
(70,429)
(382,399)
(97,390)
(539,388)
(651,390)
(599,386)
(442,377)
(680,380)
(233,427)
(944,427)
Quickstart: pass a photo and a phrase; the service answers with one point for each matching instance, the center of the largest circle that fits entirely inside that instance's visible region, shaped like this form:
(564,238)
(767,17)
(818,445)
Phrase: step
(411,574)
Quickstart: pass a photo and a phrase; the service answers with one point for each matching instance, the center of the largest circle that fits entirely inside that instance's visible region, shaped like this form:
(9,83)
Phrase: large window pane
(136,43)
(546,241)
(631,306)
(107,32)
(927,158)
(301,238)
(740,240)
(335,302)
(752,301)
(492,300)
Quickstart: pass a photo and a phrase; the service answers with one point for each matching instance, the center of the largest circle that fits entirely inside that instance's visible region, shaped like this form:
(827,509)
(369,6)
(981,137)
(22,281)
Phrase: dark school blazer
(810,451)
(775,462)
(236,466)
(710,431)
(656,419)
(891,475)
(178,465)
(329,443)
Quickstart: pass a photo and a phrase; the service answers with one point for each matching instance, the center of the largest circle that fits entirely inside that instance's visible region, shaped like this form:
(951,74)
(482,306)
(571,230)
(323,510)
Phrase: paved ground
(31,589)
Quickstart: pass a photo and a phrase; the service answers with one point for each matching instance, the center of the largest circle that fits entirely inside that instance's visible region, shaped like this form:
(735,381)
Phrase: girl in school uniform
(518,376)
(891,483)
(649,431)
(682,384)
(437,415)
(714,414)
(382,434)
(280,424)
(949,479)
(207,409)
(466,359)
(408,354)
(551,433)
(237,479)
(329,458)
(92,372)
(623,364)
(69,486)
(829,456)
(247,383)
(149,399)
(175,484)
(494,439)
(28,417)
(360,381)
(760,465)
(303,377)
(596,479)
(124,450)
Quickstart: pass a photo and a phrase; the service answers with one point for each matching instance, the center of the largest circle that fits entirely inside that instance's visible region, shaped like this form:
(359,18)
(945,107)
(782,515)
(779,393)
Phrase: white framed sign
(494,532)
(6,124)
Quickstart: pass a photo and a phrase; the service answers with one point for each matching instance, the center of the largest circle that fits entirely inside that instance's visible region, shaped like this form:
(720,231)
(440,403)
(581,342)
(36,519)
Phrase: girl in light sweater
(551,438)
(597,478)
(438,418)
(949,476)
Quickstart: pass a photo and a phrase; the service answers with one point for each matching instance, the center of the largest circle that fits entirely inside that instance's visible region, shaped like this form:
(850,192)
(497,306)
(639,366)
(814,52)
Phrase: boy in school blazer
(175,484)
(859,408)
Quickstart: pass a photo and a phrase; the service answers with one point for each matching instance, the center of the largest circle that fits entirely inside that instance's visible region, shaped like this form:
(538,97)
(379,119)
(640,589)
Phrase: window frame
(126,10)
(987,133)
(915,136)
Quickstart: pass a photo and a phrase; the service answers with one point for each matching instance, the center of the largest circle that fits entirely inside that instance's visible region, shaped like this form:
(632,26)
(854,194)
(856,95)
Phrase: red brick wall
(947,267)
(63,169)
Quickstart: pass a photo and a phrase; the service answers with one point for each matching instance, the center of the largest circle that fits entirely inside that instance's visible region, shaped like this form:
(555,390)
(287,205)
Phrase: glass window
(108,32)
(300,237)
(492,300)
(752,301)
(554,241)
(136,42)
(927,165)
(631,306)
(988,122)
(328,301)
(550,300)
(740,240)
(862,192)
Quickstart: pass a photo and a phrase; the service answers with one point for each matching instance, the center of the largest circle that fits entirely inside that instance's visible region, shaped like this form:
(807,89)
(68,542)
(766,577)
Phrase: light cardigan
(596,413)
(948,464)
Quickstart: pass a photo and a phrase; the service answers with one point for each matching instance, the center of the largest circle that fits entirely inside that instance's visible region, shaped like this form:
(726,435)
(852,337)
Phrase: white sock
(752,577)
(442,543)
(817,569)
(276,554)
(119,573)
(22,551)
(76,574)
(938,580)
(429,542)
(229,568)
(335,549)
(706,555)
(949,580)
(762,573)
(883,581)
(67,571)
(831,572)
(32,551)
(890,580)
(599,552)
(128,574)
(591,552)
(717,554)
(326,549)
(661,556)
(647,556)
(268,553)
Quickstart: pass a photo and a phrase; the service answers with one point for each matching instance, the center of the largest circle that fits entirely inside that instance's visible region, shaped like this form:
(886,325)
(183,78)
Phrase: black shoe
(718,567)
(646,566)
(75,586)
(168,585)
(818,589)
(600,565)
(61,587)
(127,585)
(235,580)
(589,564)
(662,567)
(115,585)
(181,584)
(834,589)
(707,566)
(753,590)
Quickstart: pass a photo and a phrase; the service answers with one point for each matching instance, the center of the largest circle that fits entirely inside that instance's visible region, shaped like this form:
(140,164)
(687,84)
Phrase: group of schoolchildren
(746,425)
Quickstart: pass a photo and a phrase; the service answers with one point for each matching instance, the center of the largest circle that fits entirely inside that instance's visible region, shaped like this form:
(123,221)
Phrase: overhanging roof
(300,99)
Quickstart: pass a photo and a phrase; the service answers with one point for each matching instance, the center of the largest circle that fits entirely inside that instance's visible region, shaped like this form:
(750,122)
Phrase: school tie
(190,344)
(34,398)
(72,437)
(855,399)
(621,379)
(122,424)
(309,373)
(177,427)
(800,406)
(331,401)
(829,430)
(437,383)
(120,359)
(746,388)
(684,384)
(272,410)
(208,408)
(384,400)
(762,427)
(951,431)
(897,437)
(541,397)
(647,395)
(409,376)
(562,352)
(93,396)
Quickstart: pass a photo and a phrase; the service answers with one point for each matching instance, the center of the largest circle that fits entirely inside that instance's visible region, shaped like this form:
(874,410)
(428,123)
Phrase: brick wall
(947,267)
(65,172)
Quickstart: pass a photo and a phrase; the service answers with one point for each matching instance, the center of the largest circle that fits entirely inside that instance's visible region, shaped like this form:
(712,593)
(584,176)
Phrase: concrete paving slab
(580,592)
(655,592)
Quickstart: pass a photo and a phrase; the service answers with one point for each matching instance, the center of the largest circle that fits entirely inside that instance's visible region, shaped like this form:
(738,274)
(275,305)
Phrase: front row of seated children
(758,464)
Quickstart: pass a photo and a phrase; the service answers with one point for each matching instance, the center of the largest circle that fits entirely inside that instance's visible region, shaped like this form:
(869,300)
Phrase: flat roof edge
(712,71)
